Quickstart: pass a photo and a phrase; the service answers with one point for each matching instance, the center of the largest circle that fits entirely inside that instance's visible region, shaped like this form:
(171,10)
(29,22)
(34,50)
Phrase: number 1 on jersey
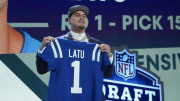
(76,89)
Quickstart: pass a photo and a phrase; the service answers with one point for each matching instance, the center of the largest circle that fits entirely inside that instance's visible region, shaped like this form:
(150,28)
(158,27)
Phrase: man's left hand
(105,48)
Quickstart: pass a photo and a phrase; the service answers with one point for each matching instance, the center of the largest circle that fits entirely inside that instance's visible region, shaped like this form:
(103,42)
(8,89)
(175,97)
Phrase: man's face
(78,20)
(2,3)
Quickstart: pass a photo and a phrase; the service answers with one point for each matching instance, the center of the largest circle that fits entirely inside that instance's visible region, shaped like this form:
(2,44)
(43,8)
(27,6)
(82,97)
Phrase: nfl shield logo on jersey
(125,64)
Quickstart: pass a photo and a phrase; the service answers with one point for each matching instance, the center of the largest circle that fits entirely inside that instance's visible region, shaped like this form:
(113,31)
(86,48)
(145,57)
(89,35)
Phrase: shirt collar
(77,36)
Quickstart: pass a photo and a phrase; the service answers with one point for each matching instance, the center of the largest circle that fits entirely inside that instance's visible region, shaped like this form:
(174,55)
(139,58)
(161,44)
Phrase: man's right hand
(45,41)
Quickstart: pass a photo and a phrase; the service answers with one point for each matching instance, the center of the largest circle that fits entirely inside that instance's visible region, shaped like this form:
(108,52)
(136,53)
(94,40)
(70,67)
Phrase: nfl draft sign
(131,82)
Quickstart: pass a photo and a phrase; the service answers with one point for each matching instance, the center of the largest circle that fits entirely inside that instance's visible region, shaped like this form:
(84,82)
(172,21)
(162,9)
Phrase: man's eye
(77,14)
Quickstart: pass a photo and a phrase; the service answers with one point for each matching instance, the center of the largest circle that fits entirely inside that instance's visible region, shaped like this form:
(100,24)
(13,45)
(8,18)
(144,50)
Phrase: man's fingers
(48,39)
(105,50)
(102,45)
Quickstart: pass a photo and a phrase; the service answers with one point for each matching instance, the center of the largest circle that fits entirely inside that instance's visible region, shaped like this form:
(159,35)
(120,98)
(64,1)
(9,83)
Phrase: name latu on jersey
(76,53)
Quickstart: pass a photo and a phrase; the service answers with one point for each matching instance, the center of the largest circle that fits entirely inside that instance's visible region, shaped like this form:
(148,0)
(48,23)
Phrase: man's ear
(69,20)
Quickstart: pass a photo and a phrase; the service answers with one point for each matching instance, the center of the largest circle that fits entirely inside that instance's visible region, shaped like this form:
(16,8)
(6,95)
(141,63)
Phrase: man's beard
(81,27)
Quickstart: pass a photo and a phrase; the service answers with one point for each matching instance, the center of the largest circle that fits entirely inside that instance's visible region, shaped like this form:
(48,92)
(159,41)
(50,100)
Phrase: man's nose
(81,16)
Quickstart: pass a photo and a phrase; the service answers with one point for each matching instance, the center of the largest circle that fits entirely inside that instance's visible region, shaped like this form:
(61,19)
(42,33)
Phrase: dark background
(50,11)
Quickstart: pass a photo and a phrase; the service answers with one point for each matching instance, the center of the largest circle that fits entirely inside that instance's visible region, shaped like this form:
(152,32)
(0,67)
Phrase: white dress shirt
(79,37)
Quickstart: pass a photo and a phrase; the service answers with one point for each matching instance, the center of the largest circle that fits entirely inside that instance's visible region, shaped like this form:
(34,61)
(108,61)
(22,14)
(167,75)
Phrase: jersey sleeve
(47,55)
(105,61)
